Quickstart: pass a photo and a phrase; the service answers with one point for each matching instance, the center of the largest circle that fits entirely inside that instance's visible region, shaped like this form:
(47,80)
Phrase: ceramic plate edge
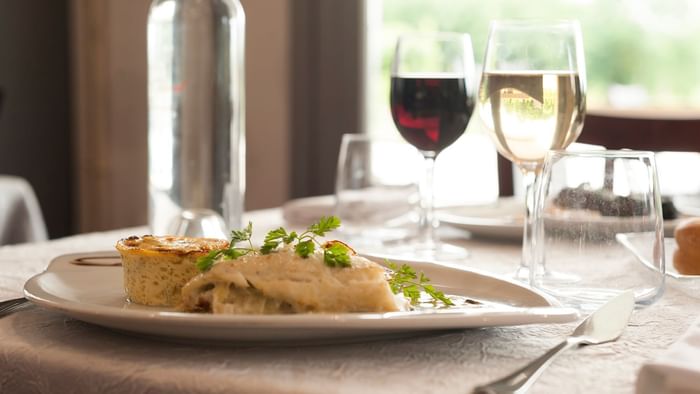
(35,293)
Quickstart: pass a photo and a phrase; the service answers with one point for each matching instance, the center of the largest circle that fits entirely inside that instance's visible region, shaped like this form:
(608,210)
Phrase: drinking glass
(376,191)
(431,103)
(599,227)
(532,99)
(198,223)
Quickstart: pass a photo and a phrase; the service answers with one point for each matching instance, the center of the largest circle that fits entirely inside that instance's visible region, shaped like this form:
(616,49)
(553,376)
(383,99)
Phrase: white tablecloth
(42,351)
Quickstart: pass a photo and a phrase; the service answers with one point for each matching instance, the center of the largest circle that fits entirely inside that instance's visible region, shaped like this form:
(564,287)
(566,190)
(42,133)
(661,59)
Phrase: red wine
(430,112)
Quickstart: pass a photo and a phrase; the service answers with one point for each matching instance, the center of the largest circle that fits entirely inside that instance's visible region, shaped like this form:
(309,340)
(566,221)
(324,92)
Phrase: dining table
(45,351)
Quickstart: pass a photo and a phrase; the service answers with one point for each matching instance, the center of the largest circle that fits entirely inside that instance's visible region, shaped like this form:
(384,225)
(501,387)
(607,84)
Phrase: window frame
(327,89)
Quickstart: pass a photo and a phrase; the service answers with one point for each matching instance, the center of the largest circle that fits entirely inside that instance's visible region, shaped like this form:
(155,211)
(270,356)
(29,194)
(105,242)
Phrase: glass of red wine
(432,99)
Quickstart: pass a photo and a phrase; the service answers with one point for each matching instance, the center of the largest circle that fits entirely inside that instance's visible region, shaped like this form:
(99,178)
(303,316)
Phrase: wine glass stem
(527,261)
(426,223)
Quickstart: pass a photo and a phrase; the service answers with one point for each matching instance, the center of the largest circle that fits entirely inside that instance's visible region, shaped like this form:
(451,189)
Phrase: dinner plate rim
(165,321)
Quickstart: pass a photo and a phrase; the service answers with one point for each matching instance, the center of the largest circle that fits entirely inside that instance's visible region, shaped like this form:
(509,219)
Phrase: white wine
(529,113)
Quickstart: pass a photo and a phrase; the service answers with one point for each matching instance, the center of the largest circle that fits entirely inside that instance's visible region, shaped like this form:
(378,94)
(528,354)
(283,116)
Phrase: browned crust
(169,244)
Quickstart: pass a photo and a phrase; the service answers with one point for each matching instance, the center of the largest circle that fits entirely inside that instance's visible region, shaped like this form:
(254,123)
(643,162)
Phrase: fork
(10,306)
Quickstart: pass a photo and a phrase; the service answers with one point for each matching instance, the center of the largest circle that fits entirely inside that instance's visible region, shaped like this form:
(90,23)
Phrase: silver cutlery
(10,306)
(604,325)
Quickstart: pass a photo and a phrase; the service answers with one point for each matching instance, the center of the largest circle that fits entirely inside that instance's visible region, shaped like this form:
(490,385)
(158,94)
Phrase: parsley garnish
(304,248)
(232,252)
(324,225)
(405,280)
(335,254)
(275,237)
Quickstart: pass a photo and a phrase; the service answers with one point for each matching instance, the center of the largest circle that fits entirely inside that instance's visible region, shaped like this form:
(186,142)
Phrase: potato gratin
(156,267)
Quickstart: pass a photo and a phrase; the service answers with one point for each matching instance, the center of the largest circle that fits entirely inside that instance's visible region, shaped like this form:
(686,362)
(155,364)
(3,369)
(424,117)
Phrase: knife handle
(521,380)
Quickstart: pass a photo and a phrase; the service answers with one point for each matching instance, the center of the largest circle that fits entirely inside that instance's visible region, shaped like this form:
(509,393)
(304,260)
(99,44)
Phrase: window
(642,59)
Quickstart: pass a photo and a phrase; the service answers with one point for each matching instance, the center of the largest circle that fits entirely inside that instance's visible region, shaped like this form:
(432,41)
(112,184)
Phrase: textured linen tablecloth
(46,352)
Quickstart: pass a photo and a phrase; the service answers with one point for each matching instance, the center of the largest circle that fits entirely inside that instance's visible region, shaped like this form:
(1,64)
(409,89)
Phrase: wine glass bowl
(532,112)
(532,98)
(430,111)
(432,102)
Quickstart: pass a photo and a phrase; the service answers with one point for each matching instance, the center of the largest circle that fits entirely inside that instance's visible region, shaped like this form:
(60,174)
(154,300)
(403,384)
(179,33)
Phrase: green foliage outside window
(650,45)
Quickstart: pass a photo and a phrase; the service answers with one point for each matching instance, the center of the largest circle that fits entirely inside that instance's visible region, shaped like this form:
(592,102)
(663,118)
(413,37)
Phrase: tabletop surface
(44,351)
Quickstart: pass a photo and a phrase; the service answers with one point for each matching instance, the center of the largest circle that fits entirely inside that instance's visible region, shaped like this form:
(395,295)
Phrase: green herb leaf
(290,238)
(336,254)
(205,263)
(412,292)
(242,235)
(437,295)
(276,234)
(232,252)
(235,253)
(324,225)
(273,239)
(305,248)
(268,247)
(405,280)
(304,244)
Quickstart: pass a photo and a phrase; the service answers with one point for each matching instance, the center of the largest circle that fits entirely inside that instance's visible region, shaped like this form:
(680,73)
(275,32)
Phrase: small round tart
(156,267)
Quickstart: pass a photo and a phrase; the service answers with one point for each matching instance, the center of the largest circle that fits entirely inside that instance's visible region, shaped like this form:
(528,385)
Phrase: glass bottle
(196,116)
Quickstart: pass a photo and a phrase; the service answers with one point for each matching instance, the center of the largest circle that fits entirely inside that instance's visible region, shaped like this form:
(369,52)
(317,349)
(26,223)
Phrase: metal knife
(604,325)
(10,306)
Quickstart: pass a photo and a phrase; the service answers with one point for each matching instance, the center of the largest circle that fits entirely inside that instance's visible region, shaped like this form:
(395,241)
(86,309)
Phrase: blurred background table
(44,351)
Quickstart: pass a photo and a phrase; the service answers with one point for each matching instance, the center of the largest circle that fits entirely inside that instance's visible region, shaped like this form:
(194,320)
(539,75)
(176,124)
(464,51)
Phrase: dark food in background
(608,204)
(669,210)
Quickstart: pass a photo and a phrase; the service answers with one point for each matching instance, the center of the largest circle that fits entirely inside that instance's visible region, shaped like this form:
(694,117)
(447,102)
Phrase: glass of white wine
(532,99)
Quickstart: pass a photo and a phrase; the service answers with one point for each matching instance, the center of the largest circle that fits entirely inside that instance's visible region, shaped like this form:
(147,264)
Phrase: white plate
(303,211)
(502,219)
(95,294)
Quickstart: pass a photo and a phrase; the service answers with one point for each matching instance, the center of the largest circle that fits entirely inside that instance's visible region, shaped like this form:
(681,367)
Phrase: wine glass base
(522,274)
(588,299)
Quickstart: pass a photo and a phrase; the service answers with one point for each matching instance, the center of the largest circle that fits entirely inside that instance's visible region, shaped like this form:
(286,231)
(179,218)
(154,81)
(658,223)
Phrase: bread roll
(686,258)
(156,267)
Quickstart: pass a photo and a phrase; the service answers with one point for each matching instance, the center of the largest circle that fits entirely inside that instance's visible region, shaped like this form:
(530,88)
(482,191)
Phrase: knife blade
(604,325)
(607,323)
